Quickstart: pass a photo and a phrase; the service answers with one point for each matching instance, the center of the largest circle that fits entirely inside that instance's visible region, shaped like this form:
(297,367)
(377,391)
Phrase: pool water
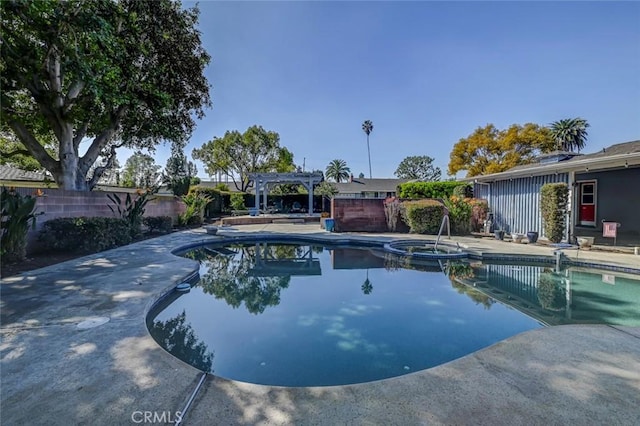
(306,315)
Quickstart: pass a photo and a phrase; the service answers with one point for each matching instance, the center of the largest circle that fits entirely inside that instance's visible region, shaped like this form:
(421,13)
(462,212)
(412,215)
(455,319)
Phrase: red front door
(588,203)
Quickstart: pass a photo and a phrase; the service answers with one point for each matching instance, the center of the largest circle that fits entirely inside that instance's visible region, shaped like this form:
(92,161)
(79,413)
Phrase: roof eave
(592,164)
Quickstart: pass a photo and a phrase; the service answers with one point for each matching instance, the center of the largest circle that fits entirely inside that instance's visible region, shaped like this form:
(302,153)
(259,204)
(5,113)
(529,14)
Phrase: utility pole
(304,160)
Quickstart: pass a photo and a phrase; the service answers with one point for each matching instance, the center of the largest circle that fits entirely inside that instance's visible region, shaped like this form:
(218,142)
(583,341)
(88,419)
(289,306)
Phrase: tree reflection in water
(367,287)
(458,272)
(230,278)
(551,294)
(180,341)
(478,297)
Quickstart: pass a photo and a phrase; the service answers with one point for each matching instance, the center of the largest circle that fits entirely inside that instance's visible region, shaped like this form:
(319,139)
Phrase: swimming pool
(304,314)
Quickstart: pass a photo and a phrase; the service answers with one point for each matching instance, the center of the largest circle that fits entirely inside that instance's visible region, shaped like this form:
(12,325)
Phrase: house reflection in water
(570,296)
(281,260)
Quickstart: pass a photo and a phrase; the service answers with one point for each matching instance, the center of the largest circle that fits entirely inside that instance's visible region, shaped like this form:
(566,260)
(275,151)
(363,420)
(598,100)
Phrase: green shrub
(463,191)
(194,220)
(179,186)
(161,224)
(17,217)
(237,201)
(438,189)
(217,196)
(554,198)
(422,216)
(85,234)
(459,214)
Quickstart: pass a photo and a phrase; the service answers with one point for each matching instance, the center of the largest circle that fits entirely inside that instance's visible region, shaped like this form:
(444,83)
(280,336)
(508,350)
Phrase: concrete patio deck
(55,372)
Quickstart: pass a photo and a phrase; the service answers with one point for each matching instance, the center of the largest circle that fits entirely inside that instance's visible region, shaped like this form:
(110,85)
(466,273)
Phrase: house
(368,188)
(603,187)
(215,184)
(11,176)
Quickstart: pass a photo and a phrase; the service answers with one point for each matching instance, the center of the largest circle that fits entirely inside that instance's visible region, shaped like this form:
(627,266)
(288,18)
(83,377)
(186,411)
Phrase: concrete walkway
(75,350)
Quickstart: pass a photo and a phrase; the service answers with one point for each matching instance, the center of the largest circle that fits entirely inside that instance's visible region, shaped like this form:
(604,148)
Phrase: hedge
(423,216)
(554,198)
(85,234)
(161,224)
(442,190)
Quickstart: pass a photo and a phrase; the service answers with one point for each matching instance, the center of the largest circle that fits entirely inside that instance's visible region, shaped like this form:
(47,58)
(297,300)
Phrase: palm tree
(367,127)
(570,133)
(367,287)
(337,170)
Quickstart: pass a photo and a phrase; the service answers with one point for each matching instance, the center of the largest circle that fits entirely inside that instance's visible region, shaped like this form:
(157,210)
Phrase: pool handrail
(445,218)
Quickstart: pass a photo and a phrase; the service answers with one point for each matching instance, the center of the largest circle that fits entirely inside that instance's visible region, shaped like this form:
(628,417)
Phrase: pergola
(262,181)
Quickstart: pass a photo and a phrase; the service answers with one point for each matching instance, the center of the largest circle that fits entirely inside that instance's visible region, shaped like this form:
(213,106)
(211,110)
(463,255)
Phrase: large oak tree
(418,167)
(491,150)
(109,73)
(236,154)
(140,171)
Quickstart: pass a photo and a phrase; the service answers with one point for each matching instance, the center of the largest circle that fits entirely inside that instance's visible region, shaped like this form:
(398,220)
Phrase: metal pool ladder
(444,219)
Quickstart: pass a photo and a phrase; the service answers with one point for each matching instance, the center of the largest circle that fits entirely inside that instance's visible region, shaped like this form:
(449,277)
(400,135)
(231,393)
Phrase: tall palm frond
(367,127)
(570,133)
(337,170)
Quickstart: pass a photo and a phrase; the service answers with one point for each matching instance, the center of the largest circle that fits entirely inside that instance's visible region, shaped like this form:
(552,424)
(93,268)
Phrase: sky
(425,73)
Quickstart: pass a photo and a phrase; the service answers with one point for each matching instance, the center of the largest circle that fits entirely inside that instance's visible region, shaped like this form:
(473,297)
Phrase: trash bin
(329,224)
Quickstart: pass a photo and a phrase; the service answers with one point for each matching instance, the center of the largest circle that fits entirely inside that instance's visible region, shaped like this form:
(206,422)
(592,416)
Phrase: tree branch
(72,95)
(101,141)
(45,109)
(33,146)
(55,76)
(16,152)
(80,134)
(99,171)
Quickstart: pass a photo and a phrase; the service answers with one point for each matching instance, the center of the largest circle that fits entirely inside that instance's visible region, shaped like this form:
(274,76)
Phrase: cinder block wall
(358,215)
(56,203)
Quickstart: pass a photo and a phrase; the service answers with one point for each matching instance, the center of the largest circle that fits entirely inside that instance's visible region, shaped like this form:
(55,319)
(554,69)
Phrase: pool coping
(49,375)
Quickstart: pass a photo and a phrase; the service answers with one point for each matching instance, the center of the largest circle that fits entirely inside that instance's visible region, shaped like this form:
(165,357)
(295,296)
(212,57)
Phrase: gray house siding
(515,203)
(617,198)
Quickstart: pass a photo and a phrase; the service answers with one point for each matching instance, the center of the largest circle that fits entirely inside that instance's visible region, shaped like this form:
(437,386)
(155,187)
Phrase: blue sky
(425,73)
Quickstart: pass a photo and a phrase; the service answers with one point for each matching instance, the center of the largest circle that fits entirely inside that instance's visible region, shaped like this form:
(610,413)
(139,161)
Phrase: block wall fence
(57,203)
(358,214)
